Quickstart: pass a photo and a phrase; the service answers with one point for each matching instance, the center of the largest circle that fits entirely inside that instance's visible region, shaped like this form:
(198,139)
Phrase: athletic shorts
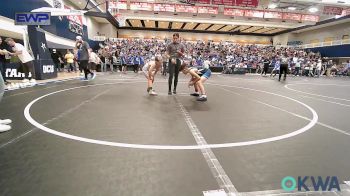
(145,71)
(207,74)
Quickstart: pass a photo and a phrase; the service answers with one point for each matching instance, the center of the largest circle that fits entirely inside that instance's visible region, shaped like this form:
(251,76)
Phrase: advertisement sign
(33,18)
(75,18)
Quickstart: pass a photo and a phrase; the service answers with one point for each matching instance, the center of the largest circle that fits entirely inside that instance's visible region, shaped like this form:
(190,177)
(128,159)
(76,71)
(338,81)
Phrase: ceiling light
(272,6)
(292,8)
(313,9)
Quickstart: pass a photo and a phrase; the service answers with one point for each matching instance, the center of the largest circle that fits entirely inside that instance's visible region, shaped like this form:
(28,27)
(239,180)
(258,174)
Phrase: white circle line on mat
(170,147)
(314,94)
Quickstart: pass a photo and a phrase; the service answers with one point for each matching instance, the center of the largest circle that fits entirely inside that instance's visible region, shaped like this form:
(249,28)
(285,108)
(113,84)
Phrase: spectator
(93,60)
(70,61)
(3,61)
(26,60)
(319,68)
(56,59)
(3,123)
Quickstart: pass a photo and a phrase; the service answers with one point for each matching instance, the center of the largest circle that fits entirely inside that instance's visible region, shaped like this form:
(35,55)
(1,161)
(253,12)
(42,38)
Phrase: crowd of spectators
(123,53)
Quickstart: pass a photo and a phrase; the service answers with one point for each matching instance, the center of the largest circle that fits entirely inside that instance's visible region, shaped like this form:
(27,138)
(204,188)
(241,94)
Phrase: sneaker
(152,92)
(32,81)
(169,93)
(202,98)
(93,76)
(174,92)
(5,121)
(4,128)
(13,86)
(194,94)
(23,85)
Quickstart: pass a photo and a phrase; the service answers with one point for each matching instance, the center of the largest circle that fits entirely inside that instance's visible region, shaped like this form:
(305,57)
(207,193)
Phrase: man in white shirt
(25,58)
(93,59)
(3,123)
(319,68)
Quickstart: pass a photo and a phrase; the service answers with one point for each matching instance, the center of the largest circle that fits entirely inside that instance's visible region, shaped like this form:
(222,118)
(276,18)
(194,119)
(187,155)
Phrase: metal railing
(329,43)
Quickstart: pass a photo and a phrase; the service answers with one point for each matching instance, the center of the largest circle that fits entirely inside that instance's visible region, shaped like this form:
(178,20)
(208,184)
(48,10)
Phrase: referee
(284,67)
(175,52)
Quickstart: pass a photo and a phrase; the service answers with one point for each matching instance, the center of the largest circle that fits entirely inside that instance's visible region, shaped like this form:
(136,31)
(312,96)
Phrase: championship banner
(254,13)
(310,18)
(233,12)
(207,10)
(122,5)
(141,6)
(291,16)
(159,7)
(241,3)
(229,2)
(247,3)
(345,12)
(186,8)
(331,10)
(217,2)
(201,1)
(273,15)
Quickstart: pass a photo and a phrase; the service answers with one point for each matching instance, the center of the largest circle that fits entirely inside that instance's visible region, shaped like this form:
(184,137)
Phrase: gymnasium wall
(329,33)
(333,51)
(194,36)
(108,30)
(323,34)
(281,39)
(93,27)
